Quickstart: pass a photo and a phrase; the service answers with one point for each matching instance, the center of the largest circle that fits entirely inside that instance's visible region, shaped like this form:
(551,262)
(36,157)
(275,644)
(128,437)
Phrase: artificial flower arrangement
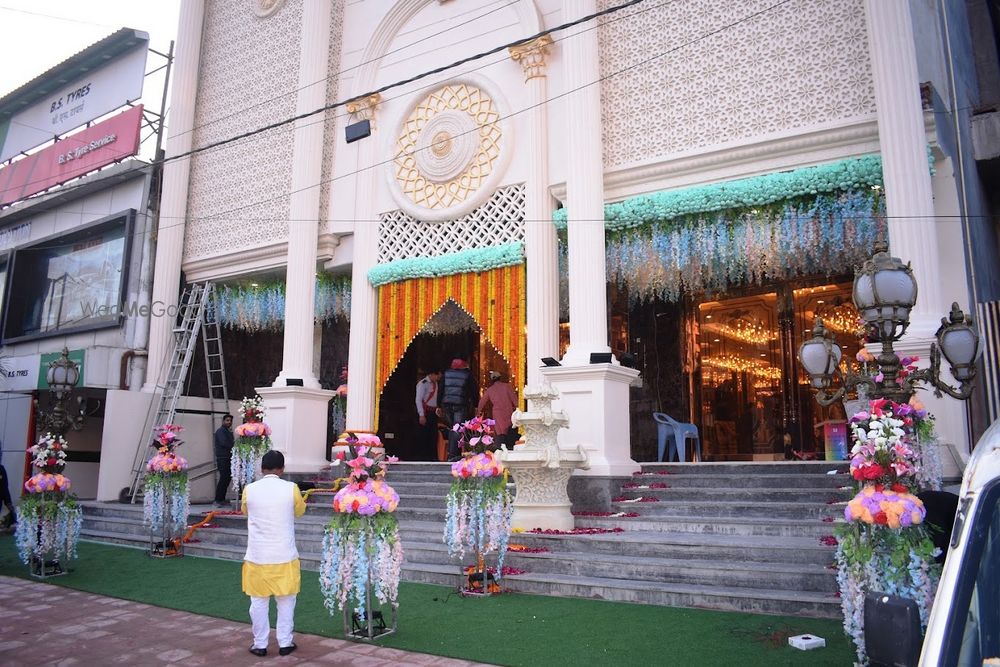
(166,495)
(48,517)
(362,552)
(884,545)
(479,505)
(253,439)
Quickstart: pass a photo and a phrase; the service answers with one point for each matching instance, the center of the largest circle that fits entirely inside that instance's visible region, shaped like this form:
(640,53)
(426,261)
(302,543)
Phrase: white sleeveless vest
(271,521)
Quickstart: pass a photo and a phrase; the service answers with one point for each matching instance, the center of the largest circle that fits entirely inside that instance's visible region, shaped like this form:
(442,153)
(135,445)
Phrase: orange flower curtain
(495,299)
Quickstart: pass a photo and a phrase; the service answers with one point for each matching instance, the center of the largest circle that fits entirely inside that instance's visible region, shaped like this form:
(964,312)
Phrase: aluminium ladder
(198,314)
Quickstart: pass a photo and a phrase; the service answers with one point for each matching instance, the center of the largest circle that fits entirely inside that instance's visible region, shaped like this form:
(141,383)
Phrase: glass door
(740,354)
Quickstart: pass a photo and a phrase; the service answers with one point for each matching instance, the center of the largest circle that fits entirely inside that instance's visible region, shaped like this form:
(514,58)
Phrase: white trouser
(261,622)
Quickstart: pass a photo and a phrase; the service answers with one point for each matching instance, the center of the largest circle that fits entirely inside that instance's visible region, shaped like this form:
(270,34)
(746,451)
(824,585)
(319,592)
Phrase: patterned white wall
(800,64)
(500,220)
(238,196)
(334,90)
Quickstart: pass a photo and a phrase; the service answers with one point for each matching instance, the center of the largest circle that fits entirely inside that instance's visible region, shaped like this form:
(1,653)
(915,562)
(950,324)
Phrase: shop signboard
(20,373)
(97,146)
(76,103)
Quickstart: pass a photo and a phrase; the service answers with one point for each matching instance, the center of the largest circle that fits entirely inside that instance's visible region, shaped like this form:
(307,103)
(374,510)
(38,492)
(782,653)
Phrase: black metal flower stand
(165,543)
(373,625)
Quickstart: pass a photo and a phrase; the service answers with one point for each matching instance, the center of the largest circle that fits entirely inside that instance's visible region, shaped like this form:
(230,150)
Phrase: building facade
(683,188)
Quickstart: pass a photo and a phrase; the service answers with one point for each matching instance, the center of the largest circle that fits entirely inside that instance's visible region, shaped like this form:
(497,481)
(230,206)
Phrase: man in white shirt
(271,563)
(427,415)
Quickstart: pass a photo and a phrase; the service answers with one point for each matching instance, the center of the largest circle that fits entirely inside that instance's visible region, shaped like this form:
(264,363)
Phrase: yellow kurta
(273,579)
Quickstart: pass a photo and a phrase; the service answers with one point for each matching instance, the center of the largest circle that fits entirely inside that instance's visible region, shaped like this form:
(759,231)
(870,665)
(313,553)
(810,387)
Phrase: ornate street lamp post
(884,293)
(62,376)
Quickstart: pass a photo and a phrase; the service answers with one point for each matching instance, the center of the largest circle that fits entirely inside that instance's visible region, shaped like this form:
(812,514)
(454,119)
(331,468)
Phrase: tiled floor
(42,624)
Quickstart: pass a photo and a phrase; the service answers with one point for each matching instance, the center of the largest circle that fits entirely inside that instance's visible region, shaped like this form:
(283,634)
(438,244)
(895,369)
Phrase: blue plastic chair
(666,427)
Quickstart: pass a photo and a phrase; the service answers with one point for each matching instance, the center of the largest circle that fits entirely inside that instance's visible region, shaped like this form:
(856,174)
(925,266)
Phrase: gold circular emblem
(447,147)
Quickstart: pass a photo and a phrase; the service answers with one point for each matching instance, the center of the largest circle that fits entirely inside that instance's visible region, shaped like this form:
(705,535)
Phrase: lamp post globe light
(62,376)
(884,293)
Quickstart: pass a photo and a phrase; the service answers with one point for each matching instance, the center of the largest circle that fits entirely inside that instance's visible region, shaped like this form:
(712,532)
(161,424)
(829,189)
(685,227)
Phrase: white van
(964,625)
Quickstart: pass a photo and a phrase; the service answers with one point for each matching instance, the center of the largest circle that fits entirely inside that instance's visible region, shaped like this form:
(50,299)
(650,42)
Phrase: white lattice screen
(500,220)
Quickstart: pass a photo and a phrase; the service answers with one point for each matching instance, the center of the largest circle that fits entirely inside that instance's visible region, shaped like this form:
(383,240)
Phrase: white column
(913,235)
(304,206)
(595,397)
(540,242)
(362,392)
(903,143)
(173,198)
(298,415)
(588,302)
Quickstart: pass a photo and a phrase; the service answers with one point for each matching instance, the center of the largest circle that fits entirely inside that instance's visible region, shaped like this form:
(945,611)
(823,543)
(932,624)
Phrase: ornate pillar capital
(531,56)
(363,108)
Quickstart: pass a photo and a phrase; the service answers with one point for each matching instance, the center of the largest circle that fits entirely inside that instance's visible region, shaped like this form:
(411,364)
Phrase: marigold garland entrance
(495,299)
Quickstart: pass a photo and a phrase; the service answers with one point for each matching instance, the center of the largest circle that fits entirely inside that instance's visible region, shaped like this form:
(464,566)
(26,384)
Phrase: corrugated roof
(70,69)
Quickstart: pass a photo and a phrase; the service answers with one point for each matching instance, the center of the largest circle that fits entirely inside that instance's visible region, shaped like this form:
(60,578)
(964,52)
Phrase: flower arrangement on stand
(362,553)
(166,495)
(48,518)
(479,507)
(253,439)
(884,545)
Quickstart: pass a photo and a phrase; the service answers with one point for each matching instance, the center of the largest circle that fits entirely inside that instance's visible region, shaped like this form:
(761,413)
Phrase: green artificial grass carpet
(509,629)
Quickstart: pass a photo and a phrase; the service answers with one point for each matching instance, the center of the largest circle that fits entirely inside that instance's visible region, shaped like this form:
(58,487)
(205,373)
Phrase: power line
(251,133)
(403,82)
(215,216)
(57,18)
(337,75)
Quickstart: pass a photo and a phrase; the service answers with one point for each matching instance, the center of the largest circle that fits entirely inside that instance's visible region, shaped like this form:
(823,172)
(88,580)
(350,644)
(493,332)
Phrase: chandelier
(841,318)
(731,362)
(744,330)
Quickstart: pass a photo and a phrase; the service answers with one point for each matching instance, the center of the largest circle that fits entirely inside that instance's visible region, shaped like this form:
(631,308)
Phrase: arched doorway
(449,333)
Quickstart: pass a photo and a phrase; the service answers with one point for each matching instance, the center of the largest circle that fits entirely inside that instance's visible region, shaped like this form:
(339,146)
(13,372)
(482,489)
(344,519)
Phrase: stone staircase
(730,536)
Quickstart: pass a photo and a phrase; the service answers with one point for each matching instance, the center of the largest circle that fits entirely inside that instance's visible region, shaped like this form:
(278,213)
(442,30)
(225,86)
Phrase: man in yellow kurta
(271,564)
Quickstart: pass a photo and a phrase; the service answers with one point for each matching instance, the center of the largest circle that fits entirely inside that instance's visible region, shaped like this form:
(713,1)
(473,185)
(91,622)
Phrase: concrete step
(750,468)
(708,572)
(713,525)
(758,601)
(734,574)
(728,494)
(729,509)
(688,546)
(757,481)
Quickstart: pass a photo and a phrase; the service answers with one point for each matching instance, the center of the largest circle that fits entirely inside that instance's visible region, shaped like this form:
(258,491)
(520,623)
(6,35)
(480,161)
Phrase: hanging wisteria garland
(358,552)
(478,505)
(479,511)
(48,516)
(716,251)
(362,551)
(165,489)
(48,526)
(808,221)
(261,306)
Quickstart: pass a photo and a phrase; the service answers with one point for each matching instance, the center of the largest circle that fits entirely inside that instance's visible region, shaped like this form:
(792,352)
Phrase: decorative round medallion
(446,145)
(265,8)
(450,151)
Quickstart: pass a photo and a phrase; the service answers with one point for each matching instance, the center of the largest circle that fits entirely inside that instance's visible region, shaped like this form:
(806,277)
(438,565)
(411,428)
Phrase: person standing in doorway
(458,395)
(223,446)
(271,564)
(427,414)
(501,398)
